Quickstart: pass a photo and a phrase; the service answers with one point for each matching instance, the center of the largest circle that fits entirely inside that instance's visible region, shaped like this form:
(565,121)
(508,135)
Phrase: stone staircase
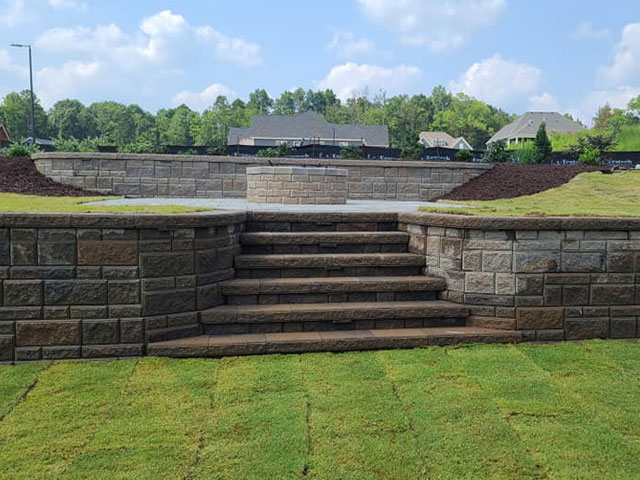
(305,286)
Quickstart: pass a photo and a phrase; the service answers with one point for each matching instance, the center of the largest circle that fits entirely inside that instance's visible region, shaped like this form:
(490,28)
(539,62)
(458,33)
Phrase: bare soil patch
(511,180)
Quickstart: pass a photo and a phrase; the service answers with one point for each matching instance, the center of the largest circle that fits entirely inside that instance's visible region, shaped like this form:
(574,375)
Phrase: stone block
(575,295)
(167,264)
(476,282)
(505,284)
(582,329)
(6,348)
(75,292)
(622,262)
(124,292)
(496,261)
(108,252)
(167,302)
(624,327)
(537,262)
(550,335)
(112,351)
(88,311)
(28,354)
(100,332)
(540,318)
(583,262)
(39,333)
(451,247)
(61,353)
(131,330)
(553,295)
(529,284)
(608,294)
(45,273)
(23,253)
(22,293)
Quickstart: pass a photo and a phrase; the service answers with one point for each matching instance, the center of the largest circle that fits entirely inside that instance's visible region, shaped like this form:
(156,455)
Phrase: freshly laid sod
(13,202)
(588,194)
(561,411)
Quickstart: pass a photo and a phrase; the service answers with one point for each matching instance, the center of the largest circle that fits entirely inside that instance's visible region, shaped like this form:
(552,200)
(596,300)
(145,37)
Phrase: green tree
(260,102)
(179,128)
(497,153)
(542,144)
(16,108)
(70,119)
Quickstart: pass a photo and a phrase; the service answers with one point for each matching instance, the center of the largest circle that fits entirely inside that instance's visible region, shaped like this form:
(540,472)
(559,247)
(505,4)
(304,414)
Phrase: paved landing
(243,204)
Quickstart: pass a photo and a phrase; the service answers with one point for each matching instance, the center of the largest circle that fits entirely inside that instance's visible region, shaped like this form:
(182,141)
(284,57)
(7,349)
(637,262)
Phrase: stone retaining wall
(217,177)
(551,278)
(297,185)
(75,286)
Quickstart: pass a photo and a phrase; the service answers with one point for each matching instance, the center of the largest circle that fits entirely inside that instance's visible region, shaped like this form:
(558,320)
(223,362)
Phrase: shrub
(17,150)
(590,156)
(142,147)
(497,153)
(525,153)
(219,150)
(542,144)
(464,155)
(351,152)
(283,150)
(74,145)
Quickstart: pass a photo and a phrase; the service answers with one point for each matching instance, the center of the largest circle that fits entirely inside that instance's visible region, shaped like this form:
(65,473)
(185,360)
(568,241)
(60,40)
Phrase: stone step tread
(335,341)
(329,260)
(336,312)
(312,238)
(331,285)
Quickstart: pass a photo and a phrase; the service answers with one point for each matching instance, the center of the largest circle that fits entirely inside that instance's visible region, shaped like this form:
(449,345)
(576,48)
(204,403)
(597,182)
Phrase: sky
(520,55)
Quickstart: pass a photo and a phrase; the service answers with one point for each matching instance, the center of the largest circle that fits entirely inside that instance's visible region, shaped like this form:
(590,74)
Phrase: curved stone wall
(95,285)
(217,177)
(551,278)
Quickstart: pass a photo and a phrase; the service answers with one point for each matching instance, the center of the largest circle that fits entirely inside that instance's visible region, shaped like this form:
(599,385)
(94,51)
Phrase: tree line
(75,126)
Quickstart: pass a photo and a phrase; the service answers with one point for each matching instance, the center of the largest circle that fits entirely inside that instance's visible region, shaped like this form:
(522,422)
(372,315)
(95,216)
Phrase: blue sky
(567,55)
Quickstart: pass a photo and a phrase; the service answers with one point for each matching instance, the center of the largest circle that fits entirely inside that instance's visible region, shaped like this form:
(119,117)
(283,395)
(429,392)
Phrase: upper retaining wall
(217,177)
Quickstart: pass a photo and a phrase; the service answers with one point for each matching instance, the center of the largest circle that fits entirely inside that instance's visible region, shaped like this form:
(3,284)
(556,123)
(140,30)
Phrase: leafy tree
(15,111)
(590,156)
(351,152)
(464,156)
(179,128)
(260,102)
(70,119)
(600,141)
(542,145)
(497,153)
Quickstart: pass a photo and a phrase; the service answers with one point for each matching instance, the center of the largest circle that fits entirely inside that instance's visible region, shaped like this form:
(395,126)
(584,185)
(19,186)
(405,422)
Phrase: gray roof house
(443,139)
(305,129)
(526,127)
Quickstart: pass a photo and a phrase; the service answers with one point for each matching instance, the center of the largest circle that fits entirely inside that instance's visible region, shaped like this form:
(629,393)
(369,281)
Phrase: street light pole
(33,102)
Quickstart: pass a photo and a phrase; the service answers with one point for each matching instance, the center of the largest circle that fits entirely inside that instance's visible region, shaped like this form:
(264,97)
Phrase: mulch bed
(19,175)
(510,180)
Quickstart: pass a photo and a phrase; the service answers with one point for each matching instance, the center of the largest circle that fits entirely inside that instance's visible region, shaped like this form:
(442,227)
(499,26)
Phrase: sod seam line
(307,422)
(23,396)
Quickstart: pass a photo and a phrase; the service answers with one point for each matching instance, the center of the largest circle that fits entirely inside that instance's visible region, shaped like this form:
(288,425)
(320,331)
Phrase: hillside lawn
(562,411)
(588,194)
(628,140)
(13,202)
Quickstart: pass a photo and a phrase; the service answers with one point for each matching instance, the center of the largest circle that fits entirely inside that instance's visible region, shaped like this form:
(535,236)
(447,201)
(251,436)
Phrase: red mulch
(19,175)
(510,180)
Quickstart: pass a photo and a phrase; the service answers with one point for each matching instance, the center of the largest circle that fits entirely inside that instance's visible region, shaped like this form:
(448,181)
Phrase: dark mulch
(19,175)
(510,180)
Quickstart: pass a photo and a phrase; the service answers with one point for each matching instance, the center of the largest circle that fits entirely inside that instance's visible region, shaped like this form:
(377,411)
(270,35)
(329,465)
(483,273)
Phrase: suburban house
(444,140)
(306,128)
(5,139)
(526,127)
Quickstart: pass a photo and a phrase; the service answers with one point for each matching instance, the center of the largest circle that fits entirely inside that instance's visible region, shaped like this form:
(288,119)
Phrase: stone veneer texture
(297,185)
(217,177)
(552,279)
(75,286)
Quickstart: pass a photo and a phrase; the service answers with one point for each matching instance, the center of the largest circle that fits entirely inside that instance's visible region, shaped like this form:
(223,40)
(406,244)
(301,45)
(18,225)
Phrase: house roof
(527,126)
(432,137)
(309,125)
(4,134)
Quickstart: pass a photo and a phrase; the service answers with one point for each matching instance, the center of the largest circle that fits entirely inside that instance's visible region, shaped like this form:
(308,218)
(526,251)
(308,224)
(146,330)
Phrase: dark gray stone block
(100,332)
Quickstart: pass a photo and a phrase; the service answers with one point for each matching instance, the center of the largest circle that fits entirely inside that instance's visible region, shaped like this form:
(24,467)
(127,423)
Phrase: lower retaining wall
(218,177)
(77,286)
(551,278)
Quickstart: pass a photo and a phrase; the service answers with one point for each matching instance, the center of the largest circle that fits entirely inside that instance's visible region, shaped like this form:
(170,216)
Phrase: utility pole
(33,102)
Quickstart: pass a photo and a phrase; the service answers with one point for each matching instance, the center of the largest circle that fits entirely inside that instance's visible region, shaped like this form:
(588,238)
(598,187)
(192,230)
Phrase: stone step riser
(298,298)
(327,326)
(325,248)
(257,273)
(257,226)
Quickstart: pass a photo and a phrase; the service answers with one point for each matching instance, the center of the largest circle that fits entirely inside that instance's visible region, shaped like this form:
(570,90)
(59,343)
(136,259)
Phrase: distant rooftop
(527,125)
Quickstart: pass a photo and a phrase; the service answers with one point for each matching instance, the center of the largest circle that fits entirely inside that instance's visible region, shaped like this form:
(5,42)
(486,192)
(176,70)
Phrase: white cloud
(616,98)
(436,24)
(625,68)
(201,100)
(71,78)
(346,45)
(585,30)
(14,13)
(352,78)
(61,4)
(231,50)
(544,102)
(8,65)
(499,82)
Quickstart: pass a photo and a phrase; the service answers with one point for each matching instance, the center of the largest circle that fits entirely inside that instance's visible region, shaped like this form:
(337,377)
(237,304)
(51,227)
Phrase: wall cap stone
(519,223)
(315,162)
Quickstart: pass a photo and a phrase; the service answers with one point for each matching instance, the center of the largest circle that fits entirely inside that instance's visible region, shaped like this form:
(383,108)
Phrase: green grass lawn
(628,140)
(13,202)
(588,194)
(561,411)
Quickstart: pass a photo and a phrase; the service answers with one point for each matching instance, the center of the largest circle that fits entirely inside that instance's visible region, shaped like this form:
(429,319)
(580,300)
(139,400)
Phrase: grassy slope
(559,411)
(589,194)
(13,202)
(628,140)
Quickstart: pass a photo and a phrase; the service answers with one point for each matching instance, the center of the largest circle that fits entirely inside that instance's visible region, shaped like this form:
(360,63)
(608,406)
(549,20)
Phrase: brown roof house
(526,127)
(444,140)
(5,139)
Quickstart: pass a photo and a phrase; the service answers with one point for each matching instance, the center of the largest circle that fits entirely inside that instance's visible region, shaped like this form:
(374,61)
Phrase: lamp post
(32,116)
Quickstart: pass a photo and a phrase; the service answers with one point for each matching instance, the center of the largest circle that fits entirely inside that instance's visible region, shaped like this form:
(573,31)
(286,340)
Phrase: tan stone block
(108,252)
(540,318)
(40,333)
